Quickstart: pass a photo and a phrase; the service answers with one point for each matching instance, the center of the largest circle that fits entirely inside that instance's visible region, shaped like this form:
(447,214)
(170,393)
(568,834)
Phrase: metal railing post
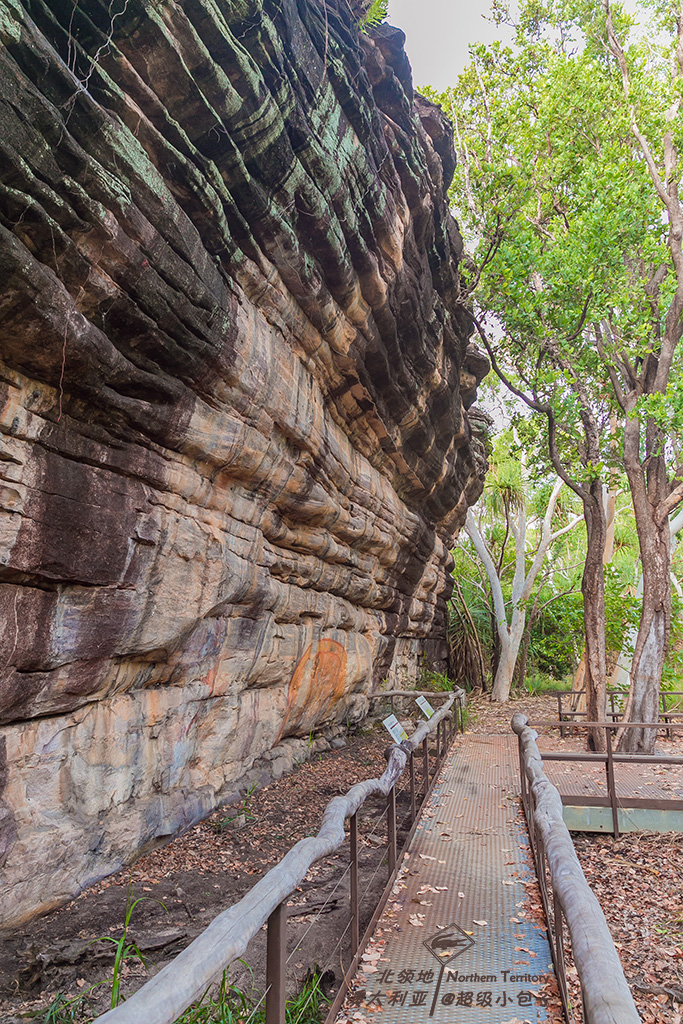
(611,788)
(391,829)
(522,777)
(438,747)
(425,766)
(276,965)
(665,708)
(559,712)
(353,857)
(560,970)
(413,809)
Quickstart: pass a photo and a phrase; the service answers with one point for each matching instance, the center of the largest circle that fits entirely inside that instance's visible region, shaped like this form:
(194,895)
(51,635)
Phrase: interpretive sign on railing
(424,706)
(394,728)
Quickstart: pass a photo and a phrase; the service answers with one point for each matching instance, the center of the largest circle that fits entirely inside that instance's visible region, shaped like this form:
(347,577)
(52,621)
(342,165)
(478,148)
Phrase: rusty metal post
(391,829)
(531,825)
(611,788)
(353,857)
(614,716)
(542,877)
(425,765)
(413,809)
(522,777)
(560,971)
(559,712)
(559,937)
(276,966)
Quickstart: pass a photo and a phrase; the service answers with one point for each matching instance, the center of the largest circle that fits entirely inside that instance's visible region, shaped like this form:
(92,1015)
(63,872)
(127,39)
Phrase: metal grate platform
(457,941)
(649,796)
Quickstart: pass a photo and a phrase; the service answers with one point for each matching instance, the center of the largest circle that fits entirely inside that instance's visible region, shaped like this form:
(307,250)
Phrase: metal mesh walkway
(458,940)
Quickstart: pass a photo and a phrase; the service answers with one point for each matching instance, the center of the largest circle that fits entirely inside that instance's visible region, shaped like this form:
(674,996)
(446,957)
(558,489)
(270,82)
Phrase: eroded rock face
(234,444)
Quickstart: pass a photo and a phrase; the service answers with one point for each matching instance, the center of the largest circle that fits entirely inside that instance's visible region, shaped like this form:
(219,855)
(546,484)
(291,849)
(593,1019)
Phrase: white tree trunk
(621,677)
(511,634)
(508,657)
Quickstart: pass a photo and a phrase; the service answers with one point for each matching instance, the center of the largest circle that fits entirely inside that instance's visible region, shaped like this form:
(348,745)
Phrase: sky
(438,33)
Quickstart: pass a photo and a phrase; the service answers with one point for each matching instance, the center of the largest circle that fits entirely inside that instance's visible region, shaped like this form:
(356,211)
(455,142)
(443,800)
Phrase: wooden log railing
(394,696)
(567,896)
(187,977)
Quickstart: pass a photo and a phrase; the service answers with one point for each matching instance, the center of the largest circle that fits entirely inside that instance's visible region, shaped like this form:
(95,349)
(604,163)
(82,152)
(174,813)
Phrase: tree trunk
(508,657)
(593,590)
(495,646)
(648,483)
(652,639)
(610,505)
(622,672)
(524,657)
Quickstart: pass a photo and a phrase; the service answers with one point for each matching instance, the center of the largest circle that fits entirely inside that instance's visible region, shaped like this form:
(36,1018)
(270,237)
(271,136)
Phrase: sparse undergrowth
(224,1004)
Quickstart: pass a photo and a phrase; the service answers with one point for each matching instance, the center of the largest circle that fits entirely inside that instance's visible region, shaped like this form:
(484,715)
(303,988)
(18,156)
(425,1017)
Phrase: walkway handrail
(609,759)
(164,997)
(606,996)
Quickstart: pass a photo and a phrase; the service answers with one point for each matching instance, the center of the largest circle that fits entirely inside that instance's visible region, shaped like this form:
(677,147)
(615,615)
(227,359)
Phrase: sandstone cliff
(233,384)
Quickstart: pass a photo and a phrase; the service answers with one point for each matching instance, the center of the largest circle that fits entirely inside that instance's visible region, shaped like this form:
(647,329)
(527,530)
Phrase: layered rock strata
(234,446)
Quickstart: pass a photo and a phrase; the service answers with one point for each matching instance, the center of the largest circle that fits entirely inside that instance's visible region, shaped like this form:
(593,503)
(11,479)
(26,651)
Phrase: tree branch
(496,589)
(533,403)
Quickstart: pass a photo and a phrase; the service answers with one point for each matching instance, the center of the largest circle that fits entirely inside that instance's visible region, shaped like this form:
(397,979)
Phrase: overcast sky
(438,33)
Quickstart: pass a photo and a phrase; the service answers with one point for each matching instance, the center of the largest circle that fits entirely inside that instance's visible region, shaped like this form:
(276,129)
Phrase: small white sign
(394,727)
(424,706)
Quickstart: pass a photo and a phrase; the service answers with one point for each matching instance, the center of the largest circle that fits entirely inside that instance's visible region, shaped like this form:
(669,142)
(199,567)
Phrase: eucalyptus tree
(568,190)
(640,352)
(508,497)
(529,297)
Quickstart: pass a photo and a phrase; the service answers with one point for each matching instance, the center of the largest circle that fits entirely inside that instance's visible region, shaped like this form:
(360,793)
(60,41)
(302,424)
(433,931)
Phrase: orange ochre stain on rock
(319,682)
